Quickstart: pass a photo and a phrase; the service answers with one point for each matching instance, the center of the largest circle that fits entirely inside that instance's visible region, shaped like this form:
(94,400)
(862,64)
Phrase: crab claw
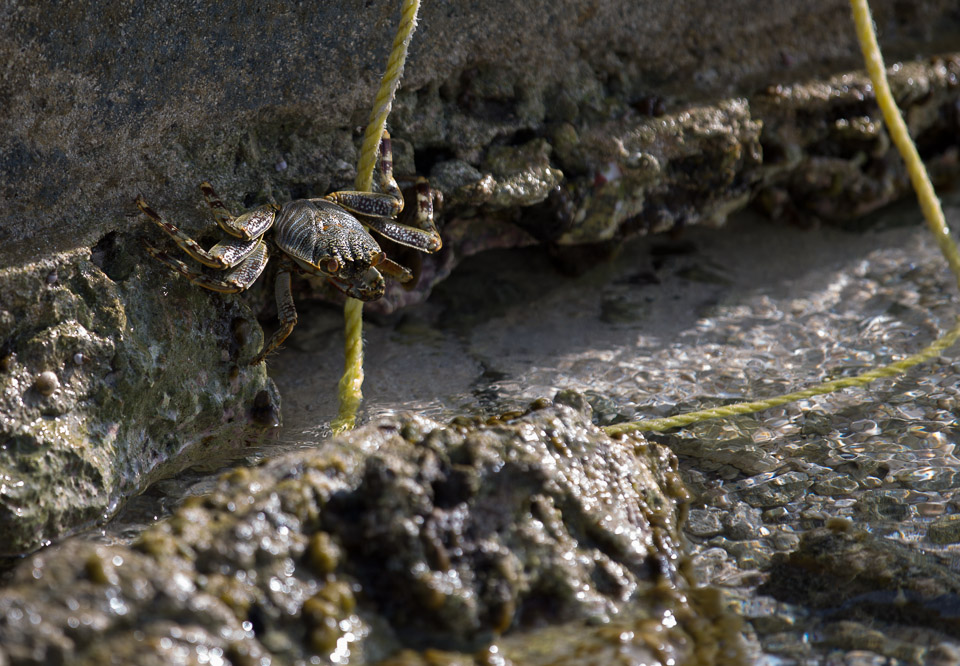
(369,287)
(393,269)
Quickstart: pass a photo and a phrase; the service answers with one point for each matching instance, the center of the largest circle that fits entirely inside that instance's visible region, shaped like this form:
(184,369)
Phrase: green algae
(114,420)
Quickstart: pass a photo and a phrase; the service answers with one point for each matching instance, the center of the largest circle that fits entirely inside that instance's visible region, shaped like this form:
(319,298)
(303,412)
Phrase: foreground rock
(401,536)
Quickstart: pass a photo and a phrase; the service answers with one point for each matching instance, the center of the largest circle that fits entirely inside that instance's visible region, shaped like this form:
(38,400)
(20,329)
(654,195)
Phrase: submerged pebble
(703,522)
(265,412)
(945,530)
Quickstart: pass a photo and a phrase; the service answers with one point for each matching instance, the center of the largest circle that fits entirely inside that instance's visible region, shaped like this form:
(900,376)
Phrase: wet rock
(503,127)
(727,443)
(776,514)
(703,522)
(654,164)
(453,535)
(82,623)
(868,645)
(626,639)
(514,177)
(884,505)
(928,479)
(769,491)
(594,146)
(75,442)
(840,167)
(784,540)
(931,509)
(742,523)
(945,530)
(870,482)
(859,466)
(451,175)
(158,101)
(607,411)
(835,485)
(853,574)
(265,411)
(649,136)
(751,554)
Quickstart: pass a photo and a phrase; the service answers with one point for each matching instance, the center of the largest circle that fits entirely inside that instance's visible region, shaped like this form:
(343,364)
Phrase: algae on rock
(403,534)
(92,408)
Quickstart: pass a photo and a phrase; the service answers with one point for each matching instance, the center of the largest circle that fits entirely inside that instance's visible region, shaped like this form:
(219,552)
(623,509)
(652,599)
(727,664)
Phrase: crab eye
(378,258)
(331,266)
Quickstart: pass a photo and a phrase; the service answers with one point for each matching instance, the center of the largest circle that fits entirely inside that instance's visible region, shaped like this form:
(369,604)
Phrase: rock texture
(92,408)
(403,534)
(109,99)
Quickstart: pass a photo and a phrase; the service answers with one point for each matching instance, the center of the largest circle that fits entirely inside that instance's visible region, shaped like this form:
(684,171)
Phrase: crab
(325,237)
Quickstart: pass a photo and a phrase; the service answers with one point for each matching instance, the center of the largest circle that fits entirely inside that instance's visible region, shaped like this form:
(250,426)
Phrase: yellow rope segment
(350,387)
(890,370)
(388,88)
(901,137)
(351,383)
(931,212)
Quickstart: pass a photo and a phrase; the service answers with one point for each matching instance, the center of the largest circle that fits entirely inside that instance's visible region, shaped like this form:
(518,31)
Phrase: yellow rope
(388,88)
(901,137)
(350,387)
(890,370)
(935,221)
(351,383)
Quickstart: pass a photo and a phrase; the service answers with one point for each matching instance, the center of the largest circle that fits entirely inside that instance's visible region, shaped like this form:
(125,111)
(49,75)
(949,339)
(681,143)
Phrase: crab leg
(287,312)
(387,182)
(236,280)
(225,254)
(378,210)
(425,241)
(246,226)
(221,213)
(427,200)
(366,203)
(394,270)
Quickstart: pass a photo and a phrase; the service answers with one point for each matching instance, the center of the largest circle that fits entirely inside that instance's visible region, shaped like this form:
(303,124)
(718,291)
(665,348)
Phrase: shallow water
(752,310)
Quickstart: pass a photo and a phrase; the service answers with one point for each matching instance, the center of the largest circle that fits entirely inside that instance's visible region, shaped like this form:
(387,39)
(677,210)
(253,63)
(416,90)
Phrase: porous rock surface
(107,100)
(92,408)
(402,534)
